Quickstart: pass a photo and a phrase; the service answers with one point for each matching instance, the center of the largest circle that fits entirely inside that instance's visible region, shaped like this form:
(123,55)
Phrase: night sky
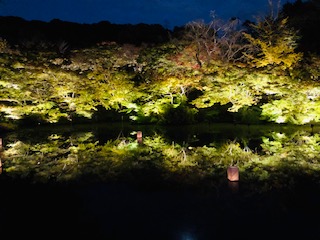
(168,13)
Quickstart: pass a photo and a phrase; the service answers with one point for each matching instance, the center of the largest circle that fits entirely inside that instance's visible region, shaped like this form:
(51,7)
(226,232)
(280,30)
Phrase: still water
(147,204)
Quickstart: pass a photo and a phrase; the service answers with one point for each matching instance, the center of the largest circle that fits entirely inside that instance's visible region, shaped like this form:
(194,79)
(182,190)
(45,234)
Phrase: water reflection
(185,235)
(65,154)
(233,186)
(104,185)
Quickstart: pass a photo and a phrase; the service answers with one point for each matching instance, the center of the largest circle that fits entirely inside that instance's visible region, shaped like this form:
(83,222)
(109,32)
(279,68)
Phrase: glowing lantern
(139,134)
(233,173)
(139,137)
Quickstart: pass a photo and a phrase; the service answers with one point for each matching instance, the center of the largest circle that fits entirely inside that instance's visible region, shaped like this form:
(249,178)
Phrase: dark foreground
(151,210)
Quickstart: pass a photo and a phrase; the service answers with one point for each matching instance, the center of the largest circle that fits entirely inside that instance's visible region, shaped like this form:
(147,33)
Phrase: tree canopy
(215,71)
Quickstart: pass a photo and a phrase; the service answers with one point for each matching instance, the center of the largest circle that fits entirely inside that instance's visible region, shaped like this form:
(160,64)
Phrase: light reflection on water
(135,204)
(193,135)
(188,236)
(149,210)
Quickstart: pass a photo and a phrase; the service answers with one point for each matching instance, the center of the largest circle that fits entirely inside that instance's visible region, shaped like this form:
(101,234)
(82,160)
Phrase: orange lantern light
(139,134)
(233,186)
(139,137)
(233,173)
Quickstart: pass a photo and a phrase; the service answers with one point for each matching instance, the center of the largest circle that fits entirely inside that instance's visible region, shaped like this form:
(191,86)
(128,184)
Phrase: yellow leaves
(175,85)
(228,89)
(274,44)
(18,65)
(156,107)
(12,112)
(278,54)
(297,110)
(7,84)
(179,84)
(42,76)
(209,98)
(4,46)
(152,83)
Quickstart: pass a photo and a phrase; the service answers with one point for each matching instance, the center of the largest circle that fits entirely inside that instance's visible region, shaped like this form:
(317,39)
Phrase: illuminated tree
(111,77)
(300,107)
(167,83)
(229,85)
(273,44)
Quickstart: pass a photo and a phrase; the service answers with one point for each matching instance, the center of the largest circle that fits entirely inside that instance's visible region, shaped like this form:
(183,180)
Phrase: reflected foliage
(282,160)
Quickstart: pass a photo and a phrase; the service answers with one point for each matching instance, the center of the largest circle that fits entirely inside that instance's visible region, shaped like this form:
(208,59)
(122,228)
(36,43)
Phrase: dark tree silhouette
(305,17)
(18,31)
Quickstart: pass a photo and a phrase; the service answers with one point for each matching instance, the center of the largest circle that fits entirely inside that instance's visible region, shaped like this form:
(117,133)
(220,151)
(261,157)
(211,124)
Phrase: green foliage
(181,114)
(274,44)
(312,67)
(164,83)
(249,115)
(69,158)
(298,110)
(4,46)
(290,149)
(229,85)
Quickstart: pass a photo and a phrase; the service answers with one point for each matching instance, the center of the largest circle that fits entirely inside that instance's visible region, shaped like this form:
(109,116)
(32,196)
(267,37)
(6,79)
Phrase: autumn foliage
(216,71)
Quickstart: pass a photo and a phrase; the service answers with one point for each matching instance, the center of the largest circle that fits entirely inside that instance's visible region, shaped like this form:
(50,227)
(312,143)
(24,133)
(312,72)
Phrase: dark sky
(168,13)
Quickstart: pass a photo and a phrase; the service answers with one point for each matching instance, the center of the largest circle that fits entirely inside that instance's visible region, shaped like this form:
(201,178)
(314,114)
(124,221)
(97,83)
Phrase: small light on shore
(233,173)
(139,136)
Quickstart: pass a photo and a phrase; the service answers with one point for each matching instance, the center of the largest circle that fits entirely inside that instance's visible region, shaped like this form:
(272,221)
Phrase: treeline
(303,16)
(39,34)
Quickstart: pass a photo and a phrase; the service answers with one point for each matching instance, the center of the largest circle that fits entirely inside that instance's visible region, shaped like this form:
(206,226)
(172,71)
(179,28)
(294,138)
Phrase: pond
(98,181)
